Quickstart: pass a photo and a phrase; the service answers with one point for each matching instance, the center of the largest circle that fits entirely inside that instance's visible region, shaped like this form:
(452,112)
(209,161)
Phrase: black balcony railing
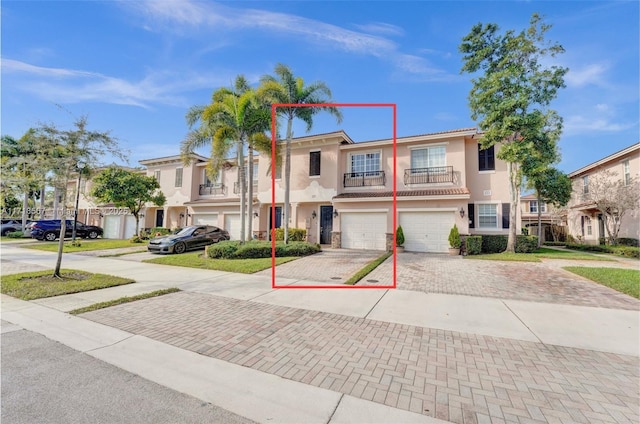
(236,187)
(213,189)
(364,179)
(436,174)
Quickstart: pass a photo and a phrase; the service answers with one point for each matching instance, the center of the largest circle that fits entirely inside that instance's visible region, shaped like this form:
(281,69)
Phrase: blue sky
(135,67)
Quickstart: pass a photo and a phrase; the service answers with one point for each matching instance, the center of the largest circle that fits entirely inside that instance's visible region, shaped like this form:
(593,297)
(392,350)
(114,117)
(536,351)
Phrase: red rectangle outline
(274,106)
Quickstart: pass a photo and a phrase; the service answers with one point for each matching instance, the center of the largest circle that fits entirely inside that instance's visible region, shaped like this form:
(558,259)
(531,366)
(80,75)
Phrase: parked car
(11,225)
(49,229)
(189,238)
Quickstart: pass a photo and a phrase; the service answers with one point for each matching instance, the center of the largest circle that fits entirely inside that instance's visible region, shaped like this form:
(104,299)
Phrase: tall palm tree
(285,88)
(234,119)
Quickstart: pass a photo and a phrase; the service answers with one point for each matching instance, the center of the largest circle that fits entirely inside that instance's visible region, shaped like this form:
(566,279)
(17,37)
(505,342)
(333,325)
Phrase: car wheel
(179,248)
(50,236)
(93,234)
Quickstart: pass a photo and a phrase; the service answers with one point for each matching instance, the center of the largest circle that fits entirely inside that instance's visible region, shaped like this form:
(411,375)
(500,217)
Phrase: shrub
(399,236)
(223,249)
(15,234)
(626,241)
(494,243)
(555,243)
(136,239)
(251,250)
(625,251)
(473,245)
(298,248)
(526,244)
(160,231)
(454,237)
(295,234)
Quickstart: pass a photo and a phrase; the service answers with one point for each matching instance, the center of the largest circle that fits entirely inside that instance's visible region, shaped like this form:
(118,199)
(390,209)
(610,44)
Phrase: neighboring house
(552,220)
(585,222)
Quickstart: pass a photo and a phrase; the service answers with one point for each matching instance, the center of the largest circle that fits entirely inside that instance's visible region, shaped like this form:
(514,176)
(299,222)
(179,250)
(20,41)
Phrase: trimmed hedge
(295,234)
(259,249)
(555,243)
(498,243)
(526,244)
(625,251)
(627,241)
(15,234)
(473,245)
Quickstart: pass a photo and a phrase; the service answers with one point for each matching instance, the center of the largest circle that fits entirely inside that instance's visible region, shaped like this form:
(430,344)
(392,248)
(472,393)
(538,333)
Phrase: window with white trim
(585,184)
(487,215)
(429,157)
(486,159)
(533,206)
(587,221)
(178,181)
(156,175)
(626,171)
(369,163)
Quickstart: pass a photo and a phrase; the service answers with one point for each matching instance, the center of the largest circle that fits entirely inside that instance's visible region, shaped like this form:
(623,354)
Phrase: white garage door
(111,228)
(426,231)
(232,224)
(205,219)
(363,230)
(129,226)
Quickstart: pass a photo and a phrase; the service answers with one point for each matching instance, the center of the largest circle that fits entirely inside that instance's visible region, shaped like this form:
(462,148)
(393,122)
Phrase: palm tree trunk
(243,191)
(514,189)
(250,196)
(287,178)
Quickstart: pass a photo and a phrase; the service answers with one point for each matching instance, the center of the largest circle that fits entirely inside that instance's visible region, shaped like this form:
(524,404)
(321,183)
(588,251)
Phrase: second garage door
(363,230)
(426,231)
(232,224)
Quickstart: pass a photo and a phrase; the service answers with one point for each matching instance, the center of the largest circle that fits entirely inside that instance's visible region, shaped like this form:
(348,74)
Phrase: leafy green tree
(552,187)
(127,189)
(285,88)
(235,119)
(66,152)
(512,95)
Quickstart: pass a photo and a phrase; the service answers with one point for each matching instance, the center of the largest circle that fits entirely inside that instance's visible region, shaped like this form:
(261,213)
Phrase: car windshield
(186,231)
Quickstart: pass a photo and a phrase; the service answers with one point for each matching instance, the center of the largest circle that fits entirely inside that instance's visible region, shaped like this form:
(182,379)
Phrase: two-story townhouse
(342,192)
(585,222)
(552,220)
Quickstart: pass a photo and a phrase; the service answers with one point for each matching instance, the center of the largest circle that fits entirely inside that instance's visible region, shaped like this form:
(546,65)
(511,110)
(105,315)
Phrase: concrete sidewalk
(276,399)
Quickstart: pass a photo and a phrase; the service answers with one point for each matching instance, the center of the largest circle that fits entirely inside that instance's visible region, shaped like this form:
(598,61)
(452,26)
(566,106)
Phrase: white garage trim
(427,231)
(205,219)
(363,230)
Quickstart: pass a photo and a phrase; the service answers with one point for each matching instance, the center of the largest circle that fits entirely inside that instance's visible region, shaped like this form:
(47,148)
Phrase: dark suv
(49,229)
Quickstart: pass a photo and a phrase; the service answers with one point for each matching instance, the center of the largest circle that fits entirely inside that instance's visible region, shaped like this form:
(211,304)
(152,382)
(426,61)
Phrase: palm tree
(234,119)
(285,88)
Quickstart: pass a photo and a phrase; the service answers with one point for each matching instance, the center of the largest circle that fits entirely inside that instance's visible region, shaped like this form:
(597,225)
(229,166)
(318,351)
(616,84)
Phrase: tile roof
(406,193)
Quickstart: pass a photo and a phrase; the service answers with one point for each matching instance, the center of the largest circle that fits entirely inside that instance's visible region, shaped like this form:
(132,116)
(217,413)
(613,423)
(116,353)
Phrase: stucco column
(294,216)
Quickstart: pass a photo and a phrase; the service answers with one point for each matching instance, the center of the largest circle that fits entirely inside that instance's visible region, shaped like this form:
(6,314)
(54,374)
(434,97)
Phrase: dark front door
(159,217)
(326,224)
(278,220)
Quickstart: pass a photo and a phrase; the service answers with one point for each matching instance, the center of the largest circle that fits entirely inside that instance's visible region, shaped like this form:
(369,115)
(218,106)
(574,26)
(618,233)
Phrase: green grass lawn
(35,285)
(122,300)
(623,280)
(367,269)
(198,260)
(85,245)
(543,252)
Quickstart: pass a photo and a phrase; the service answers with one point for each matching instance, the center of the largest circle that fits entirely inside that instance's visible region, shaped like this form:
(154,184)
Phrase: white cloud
(581,124)
(590,74)
(181,16)
(380,28)
(74,86)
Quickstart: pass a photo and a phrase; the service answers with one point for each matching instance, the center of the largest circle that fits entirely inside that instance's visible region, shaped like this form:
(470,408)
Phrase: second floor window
(488,216)
(430,157)
(367,163)
(486,159)
(533,206)
(585,184)
(178,177)
(314,164)
(156,175)
(627,172)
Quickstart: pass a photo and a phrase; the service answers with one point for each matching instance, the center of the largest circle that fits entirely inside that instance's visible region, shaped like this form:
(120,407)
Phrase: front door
(159,217)
(326,224)
(278,220)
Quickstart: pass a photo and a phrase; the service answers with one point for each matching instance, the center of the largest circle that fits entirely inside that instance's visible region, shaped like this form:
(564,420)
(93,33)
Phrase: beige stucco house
(585,222)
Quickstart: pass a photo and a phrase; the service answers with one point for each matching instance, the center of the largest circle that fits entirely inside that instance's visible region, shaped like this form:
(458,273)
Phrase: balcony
(236,188)
(436,174)
(212,190)
(364,179)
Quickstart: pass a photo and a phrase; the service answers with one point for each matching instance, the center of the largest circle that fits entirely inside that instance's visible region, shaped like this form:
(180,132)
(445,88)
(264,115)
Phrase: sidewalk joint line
(109,345)
(335,409)
(376,304)
(523,323)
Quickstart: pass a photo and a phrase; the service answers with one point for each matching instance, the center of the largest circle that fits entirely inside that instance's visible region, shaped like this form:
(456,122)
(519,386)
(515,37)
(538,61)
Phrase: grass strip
(39,284)
(113,255)
(367,269)
(85,245)
(626,281)
(121,300)
(198,260)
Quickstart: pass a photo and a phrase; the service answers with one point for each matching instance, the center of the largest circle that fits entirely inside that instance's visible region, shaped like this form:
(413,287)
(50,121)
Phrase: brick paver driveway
(464,378)
(537,282)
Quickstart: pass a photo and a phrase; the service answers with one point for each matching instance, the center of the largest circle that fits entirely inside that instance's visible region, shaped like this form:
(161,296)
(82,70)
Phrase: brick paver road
(536,282)
(464,378)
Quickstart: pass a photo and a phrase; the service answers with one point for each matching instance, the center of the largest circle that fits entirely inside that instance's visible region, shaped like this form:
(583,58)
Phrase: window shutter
(472,215)
(505,214)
